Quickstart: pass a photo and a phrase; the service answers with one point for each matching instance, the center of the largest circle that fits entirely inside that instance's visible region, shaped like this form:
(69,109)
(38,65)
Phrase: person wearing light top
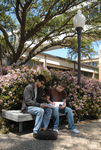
(56,95)
(32,103)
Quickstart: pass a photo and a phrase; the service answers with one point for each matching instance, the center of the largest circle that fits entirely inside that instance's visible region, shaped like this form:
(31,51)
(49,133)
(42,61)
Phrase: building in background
(92,62)
(50,61)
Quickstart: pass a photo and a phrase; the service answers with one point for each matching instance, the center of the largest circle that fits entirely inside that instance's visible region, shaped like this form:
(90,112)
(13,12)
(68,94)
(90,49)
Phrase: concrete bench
(18,116)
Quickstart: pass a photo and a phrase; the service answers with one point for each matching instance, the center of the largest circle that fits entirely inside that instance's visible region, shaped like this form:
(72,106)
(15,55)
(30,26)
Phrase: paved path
(88,139)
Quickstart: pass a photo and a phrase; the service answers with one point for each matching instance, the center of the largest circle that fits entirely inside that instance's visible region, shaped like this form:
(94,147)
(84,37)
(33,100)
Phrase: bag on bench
(47,135)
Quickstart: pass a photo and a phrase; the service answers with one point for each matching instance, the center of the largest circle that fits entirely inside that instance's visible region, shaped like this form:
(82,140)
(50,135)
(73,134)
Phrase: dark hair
(63,84)
(41,78)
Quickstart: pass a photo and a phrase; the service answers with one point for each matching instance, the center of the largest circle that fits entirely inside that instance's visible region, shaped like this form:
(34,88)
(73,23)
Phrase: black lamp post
(79,22)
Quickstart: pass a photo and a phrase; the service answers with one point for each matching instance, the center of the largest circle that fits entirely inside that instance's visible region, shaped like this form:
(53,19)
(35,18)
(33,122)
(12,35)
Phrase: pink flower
(1,100)
(5,104)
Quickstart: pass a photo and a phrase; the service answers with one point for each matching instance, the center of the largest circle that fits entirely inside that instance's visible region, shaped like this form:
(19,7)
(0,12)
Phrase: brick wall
(100,63)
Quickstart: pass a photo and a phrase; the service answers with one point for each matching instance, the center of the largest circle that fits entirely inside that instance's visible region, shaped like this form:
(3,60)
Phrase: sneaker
(34,135)
(75,131)
(56,130)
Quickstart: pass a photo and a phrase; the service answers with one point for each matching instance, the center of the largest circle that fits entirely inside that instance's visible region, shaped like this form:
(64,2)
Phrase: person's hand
(53,103)
(43,105)
(62,106)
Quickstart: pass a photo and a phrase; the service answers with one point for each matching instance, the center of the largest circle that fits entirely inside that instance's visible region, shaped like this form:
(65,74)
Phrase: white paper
(56,104)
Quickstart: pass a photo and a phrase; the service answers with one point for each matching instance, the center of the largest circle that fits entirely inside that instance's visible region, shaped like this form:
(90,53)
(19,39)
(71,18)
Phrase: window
(12,38)
(87,74)
(94,64)
(87,63)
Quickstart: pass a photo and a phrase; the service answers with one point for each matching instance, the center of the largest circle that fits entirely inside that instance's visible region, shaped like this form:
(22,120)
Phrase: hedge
(85,100)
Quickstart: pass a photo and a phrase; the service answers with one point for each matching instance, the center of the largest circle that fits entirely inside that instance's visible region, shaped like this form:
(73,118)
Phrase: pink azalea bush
(85,100)
(13,83)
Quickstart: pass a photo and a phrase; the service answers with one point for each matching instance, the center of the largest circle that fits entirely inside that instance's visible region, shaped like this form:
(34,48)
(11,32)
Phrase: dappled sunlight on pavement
(88,139)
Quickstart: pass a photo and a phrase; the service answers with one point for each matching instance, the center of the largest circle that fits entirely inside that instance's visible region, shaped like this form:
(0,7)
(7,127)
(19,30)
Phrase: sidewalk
(88,139)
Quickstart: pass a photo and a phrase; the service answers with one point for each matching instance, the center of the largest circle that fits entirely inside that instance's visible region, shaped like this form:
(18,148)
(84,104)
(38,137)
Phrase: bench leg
(20,126)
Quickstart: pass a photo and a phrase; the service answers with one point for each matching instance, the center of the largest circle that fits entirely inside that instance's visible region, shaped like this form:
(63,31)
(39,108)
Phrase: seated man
(32,103)
(56,95)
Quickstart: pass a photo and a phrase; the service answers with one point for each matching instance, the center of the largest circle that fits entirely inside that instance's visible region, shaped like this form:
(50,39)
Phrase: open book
(56,104)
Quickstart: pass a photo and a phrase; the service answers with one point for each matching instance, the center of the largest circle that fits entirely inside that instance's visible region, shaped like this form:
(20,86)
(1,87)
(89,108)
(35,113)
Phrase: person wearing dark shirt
(57,95)
(32,103)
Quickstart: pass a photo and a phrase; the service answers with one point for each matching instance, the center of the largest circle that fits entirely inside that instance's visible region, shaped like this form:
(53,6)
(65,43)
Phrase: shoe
(56,130)
(42,129)
(34,135)
(75,131)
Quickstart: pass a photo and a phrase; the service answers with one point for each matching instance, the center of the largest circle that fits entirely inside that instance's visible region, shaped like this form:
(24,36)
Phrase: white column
(100,63)
(45,64)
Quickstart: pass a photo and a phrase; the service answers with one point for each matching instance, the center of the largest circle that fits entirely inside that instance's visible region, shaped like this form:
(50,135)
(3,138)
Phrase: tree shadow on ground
(88,139)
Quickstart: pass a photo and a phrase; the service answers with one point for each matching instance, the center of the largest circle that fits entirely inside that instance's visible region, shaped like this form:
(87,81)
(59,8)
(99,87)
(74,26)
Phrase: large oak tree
(46,24)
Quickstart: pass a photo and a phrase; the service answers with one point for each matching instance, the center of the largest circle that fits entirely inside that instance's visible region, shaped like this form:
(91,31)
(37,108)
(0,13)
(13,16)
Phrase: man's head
(61,86)
(40,80)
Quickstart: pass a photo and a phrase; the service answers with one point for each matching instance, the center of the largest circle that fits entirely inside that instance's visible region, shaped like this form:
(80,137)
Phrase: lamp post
(79,22)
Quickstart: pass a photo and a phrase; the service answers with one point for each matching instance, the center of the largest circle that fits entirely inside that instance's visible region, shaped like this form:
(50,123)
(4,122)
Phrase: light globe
(79,19)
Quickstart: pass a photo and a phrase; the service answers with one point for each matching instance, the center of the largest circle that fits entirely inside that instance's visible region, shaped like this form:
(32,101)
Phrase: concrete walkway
(88,139)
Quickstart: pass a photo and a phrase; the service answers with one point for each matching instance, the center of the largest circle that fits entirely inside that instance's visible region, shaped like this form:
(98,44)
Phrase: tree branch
(17,10)
(28,47)
(7,41)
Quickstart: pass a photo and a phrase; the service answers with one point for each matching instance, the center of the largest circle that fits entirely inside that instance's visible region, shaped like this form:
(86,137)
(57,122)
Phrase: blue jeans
(42,117)
(69,115)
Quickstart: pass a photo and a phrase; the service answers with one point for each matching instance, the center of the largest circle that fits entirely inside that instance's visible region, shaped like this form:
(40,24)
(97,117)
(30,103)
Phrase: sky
(63,52)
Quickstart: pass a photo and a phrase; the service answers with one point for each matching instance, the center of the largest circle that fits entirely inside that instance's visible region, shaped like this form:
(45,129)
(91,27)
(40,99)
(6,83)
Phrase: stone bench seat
(18,116)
